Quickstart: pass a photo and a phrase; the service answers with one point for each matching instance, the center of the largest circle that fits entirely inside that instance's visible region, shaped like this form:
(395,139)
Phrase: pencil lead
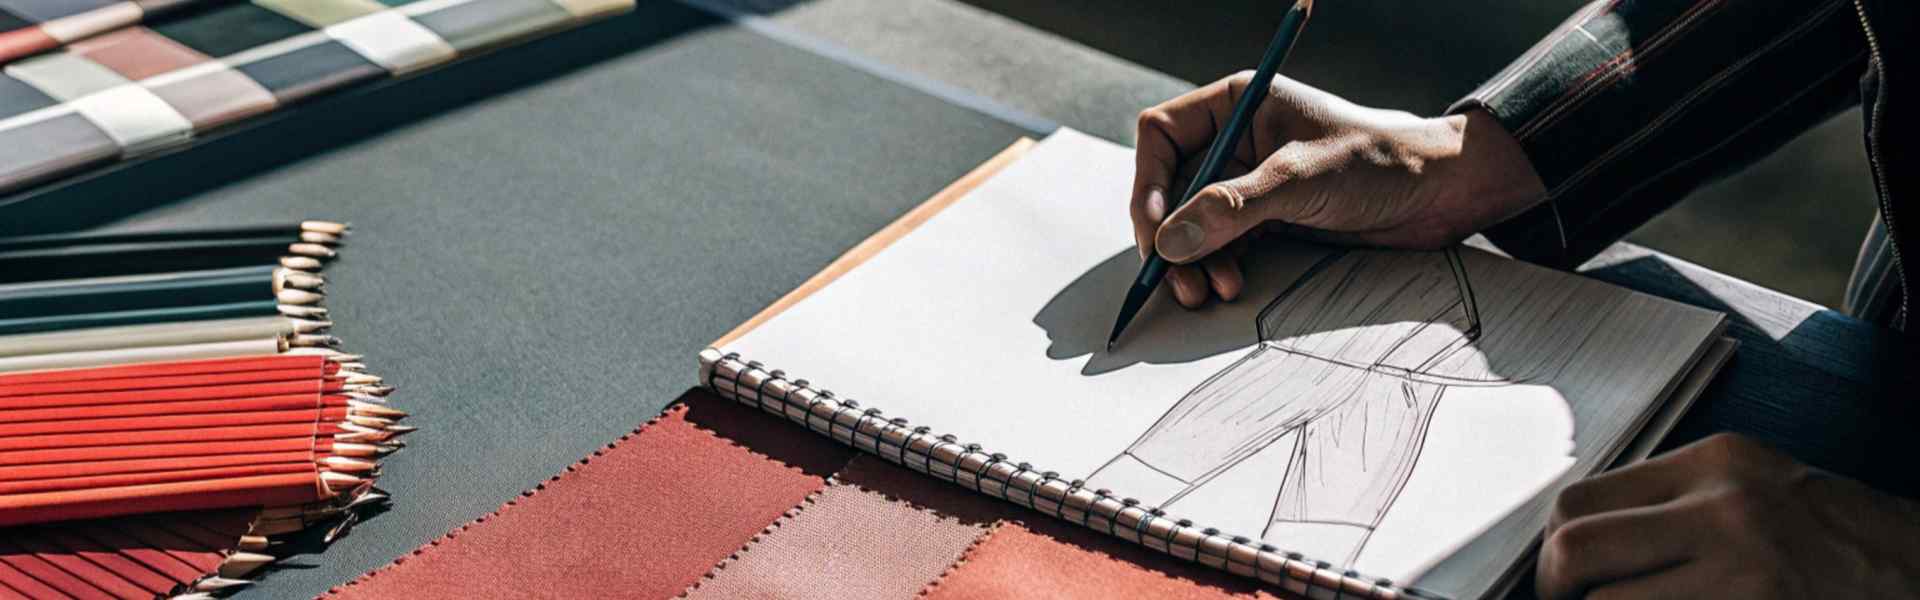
(313,250)
(299,297)
(239,564)
(217,583)
(331,227)
(307,312)
(304,263)
(306,326)
(316,237)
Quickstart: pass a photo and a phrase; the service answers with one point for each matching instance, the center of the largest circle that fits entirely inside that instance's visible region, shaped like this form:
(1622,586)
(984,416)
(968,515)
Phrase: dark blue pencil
(1216,158)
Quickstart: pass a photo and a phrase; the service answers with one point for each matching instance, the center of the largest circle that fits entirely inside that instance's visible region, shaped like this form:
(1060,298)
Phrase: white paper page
(1401,404)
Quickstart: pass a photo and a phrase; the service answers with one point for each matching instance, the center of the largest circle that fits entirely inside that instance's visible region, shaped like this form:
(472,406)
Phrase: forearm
(1628,106)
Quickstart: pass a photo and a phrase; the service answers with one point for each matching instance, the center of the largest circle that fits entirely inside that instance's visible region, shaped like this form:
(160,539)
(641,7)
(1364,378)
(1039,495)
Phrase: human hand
(1316,165)
(1728,517)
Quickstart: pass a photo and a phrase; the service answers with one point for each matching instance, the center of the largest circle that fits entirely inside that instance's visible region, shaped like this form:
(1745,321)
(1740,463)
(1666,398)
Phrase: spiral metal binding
(945,457)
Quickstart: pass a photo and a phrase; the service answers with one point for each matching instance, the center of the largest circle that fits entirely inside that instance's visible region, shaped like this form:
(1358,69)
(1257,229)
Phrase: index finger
(1169,134)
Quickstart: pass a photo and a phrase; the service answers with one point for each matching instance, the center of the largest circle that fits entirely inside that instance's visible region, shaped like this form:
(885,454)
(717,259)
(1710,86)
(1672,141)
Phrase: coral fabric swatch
(129,557)
(644,518)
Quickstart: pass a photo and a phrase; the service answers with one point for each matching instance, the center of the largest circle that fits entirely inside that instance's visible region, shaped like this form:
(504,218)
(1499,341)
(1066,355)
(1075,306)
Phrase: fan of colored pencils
(171,398)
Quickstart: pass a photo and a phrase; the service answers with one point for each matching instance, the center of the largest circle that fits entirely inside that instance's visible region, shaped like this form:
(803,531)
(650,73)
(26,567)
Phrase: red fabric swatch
(644,518)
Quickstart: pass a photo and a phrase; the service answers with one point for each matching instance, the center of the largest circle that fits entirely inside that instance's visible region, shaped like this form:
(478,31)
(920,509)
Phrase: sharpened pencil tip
(217,583)
(331,227)
(313,250)
(317,237)
(239,564)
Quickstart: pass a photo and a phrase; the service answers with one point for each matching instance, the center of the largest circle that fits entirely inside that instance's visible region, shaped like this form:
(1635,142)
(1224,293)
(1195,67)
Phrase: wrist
(1490,179)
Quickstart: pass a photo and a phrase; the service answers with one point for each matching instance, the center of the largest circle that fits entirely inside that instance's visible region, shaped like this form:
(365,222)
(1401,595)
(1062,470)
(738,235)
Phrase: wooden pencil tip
(331,227)
(304,263)
(306,312)
(357,378)
(310,326)
(368,421)
(217,583)
(346,464)
(254,543)
(302,340)
(319,237)
(1305,6)
(376,410)
(337,482)
(299,297)
(239,564)
(313,250)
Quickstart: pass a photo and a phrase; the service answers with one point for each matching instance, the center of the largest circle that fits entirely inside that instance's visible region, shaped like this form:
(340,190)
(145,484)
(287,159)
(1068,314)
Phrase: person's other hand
(1728,517)
(1316,165)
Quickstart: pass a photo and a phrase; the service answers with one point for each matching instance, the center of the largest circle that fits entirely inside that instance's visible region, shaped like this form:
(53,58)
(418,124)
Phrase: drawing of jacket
(1354,358)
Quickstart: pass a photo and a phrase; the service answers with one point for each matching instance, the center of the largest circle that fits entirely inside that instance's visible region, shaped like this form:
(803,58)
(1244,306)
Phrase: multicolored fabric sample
(141,88)
(712,500)
(29,27)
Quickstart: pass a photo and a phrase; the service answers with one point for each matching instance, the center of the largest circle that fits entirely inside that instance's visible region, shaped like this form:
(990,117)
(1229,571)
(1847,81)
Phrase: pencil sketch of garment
(1354,358)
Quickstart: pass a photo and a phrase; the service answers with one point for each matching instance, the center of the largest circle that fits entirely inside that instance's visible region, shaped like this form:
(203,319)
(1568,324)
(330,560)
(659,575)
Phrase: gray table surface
(536,268)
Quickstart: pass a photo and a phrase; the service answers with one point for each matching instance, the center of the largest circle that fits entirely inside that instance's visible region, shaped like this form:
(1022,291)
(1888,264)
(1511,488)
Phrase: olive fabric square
(230,28)
(322,13)
(483,23)
(310,70)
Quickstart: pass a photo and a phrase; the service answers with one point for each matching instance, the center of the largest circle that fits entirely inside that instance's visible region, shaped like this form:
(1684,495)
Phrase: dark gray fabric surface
(535,271)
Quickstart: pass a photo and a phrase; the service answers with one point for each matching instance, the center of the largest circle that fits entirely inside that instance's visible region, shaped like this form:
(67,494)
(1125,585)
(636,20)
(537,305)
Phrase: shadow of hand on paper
(1080,316)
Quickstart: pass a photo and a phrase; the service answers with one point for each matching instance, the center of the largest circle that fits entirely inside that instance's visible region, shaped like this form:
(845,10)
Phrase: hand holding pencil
(1316,166)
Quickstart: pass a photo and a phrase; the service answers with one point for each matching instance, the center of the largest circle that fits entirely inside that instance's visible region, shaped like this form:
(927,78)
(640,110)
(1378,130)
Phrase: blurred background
(1792,222)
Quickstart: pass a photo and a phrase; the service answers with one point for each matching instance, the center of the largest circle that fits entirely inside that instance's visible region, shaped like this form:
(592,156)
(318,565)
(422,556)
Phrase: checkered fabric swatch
(141,88)
(29,27)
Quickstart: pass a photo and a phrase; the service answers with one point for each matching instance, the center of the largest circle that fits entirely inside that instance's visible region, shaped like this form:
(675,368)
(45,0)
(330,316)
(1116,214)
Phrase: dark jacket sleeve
(1630,105)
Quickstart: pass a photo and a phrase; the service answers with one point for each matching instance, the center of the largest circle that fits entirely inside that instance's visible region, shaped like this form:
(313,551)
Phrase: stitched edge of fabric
(572,468)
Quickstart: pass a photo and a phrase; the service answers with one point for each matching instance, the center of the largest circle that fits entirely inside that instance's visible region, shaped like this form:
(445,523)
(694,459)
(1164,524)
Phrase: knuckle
(1153,119)
(1572,501)
(1739,507)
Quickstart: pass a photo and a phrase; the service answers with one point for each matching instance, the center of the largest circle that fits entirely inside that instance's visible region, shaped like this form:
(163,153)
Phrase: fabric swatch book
(1360,423)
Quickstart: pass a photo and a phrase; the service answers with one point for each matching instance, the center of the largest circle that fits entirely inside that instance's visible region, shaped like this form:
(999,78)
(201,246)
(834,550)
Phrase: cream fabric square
(65,75)
(392,40)
(106,18)
(135,118)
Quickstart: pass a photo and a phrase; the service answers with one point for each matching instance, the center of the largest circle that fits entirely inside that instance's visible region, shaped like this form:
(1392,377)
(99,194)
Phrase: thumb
(1217,216)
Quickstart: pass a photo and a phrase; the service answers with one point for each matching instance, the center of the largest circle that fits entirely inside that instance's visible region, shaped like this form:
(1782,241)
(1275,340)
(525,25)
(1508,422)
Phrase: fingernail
(1180,241)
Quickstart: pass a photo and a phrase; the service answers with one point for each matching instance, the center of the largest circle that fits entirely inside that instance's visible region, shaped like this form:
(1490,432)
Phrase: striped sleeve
(1629,105)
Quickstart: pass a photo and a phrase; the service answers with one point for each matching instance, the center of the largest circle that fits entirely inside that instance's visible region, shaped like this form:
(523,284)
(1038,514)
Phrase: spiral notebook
(1360,423)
